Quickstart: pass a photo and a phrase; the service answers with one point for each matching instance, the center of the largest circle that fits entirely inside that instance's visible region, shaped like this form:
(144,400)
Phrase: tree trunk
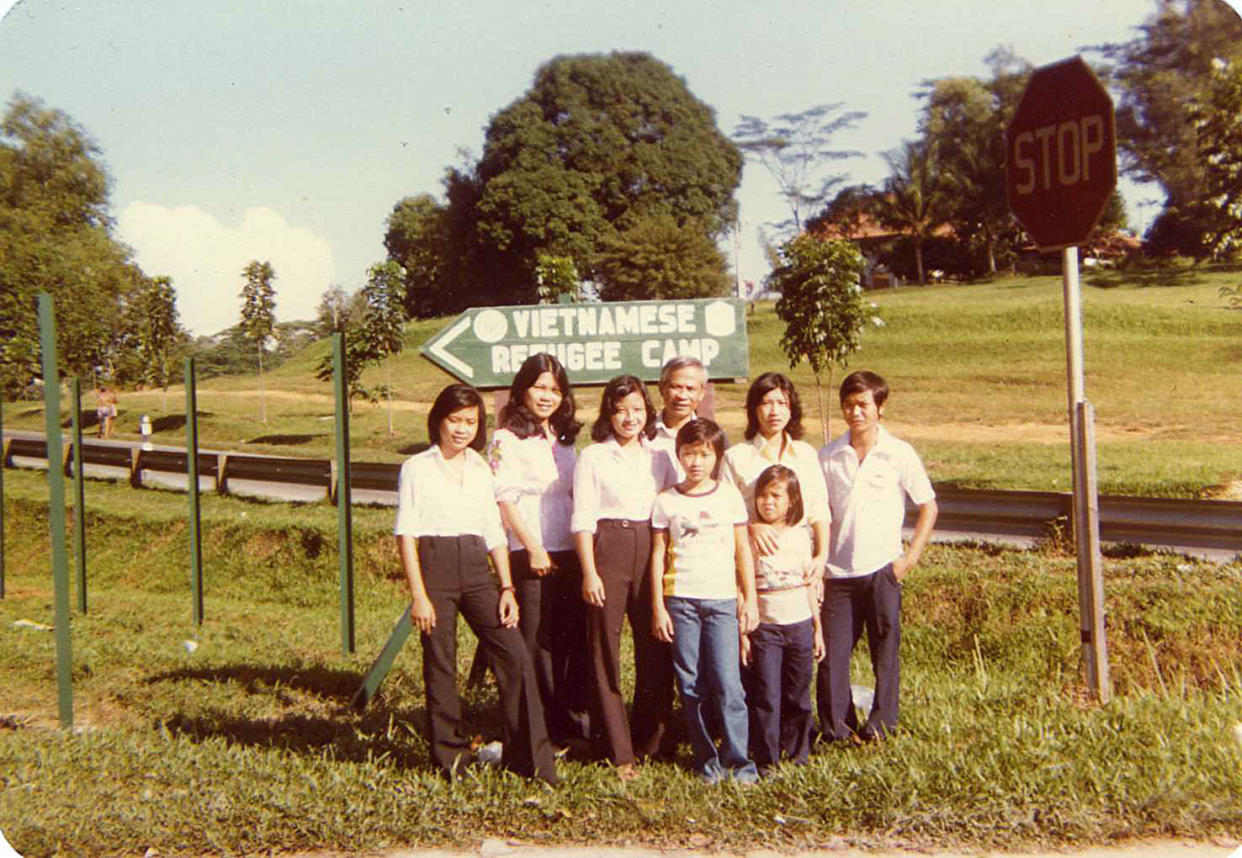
(823,413)
(990,243)
(918,261)
(262,392)
(388,389)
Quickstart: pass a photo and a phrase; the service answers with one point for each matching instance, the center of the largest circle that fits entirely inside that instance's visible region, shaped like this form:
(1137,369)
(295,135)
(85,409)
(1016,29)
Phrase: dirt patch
(1229,491)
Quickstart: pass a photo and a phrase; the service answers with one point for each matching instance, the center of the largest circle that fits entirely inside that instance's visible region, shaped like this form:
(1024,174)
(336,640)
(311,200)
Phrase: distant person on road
(447,525)
(532,456)
(869,474)
(106,411)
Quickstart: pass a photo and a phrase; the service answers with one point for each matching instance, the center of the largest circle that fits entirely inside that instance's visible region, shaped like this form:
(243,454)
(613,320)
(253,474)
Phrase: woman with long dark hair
(447,525)
(774,437)
(615,486)
(532,456)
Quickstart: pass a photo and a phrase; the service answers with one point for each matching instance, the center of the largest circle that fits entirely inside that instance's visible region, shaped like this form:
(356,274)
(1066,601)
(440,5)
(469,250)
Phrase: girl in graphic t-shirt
(700,562)
(783,649)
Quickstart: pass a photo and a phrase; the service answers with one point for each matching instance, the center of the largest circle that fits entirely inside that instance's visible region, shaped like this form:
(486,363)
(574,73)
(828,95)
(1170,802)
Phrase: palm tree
(913,199)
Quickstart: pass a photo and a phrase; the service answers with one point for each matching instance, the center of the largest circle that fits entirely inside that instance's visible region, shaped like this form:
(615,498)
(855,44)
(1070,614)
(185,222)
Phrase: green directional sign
(486,346)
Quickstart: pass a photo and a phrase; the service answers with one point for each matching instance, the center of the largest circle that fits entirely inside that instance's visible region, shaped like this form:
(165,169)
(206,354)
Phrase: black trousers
(553,625)
(458,580)
(871,602)
(778,692)
(622,558)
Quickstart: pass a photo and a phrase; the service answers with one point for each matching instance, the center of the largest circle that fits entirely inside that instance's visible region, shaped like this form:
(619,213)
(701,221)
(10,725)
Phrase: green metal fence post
(56,508)
(344,511)
(191,448)
(79,495)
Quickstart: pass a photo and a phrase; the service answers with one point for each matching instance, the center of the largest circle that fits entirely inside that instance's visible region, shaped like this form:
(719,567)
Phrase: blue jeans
(708,669)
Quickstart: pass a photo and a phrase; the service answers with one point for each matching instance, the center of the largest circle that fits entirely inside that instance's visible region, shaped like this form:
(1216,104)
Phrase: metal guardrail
(1210,527)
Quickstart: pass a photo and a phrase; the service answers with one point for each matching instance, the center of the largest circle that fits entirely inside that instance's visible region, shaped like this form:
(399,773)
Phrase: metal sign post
(56,509)
(344,499)
(196,517)
(1060,170)
(79,496)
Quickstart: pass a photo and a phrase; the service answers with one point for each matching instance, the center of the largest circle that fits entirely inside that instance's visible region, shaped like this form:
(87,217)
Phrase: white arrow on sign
(438,348)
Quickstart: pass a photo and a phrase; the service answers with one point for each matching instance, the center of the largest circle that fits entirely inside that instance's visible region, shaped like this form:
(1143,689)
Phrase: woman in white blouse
(615,485)
(447,525)
(532,456)
(773,437)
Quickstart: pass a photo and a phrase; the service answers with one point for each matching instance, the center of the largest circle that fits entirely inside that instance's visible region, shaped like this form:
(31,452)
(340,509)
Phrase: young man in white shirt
(869,474)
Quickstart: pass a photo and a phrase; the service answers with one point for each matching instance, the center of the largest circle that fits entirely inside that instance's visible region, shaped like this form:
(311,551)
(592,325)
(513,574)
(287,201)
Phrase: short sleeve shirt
(780,578)
(701,540)
(868,501)
(433,500)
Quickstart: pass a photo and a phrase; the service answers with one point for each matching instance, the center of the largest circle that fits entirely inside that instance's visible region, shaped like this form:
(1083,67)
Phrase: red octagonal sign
(1061,154)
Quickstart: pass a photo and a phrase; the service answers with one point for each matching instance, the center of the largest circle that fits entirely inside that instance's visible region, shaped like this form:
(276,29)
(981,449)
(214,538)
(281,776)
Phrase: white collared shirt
(665,440)
(536,475)
(434,501)
(612,481)
(746,460)
(868,501)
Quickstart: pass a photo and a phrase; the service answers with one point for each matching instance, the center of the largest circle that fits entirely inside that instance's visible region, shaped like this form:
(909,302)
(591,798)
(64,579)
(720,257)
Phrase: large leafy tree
(658,259)
(822,306)
(1217,118)
(1162,74)
(419,239)
(797,150)
(55,236)
(599,145)
(964,126)
(258,315)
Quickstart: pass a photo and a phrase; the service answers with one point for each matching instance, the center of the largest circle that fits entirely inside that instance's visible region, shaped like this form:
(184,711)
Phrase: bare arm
(661,623)
(592,584)
(540,562)
(922,533)
(422,614)
(508,600)
(748,605)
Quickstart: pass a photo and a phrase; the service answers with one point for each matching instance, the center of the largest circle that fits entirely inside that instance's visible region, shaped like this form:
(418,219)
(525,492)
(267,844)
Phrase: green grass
(973,369)
(247,744)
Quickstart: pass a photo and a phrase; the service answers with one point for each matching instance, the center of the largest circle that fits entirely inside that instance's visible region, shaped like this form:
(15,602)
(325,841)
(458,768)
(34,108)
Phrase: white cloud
(205,258)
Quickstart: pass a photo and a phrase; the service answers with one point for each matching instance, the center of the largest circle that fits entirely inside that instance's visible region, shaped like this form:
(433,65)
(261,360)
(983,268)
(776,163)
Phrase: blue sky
(242,129)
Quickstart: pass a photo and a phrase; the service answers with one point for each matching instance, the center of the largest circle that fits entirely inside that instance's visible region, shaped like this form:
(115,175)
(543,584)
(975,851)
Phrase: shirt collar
(771,449)
(842,443)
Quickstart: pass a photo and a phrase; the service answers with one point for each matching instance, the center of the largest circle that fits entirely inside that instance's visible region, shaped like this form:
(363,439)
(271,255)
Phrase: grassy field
(978,374)
(247,743)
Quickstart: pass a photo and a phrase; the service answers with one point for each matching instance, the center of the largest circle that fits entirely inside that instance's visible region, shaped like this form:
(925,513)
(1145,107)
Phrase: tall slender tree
(258,315)
(158,330)
(797,150)
(383,324)
(913,198)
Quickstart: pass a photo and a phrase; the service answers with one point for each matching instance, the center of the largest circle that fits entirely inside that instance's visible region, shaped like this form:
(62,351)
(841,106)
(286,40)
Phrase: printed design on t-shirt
(690,532)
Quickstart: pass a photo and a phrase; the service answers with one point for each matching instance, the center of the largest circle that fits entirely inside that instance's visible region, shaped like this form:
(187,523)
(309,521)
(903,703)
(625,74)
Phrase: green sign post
(485,346)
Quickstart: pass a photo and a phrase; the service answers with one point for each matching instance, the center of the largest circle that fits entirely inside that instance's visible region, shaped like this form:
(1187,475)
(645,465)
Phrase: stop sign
(1061,154)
